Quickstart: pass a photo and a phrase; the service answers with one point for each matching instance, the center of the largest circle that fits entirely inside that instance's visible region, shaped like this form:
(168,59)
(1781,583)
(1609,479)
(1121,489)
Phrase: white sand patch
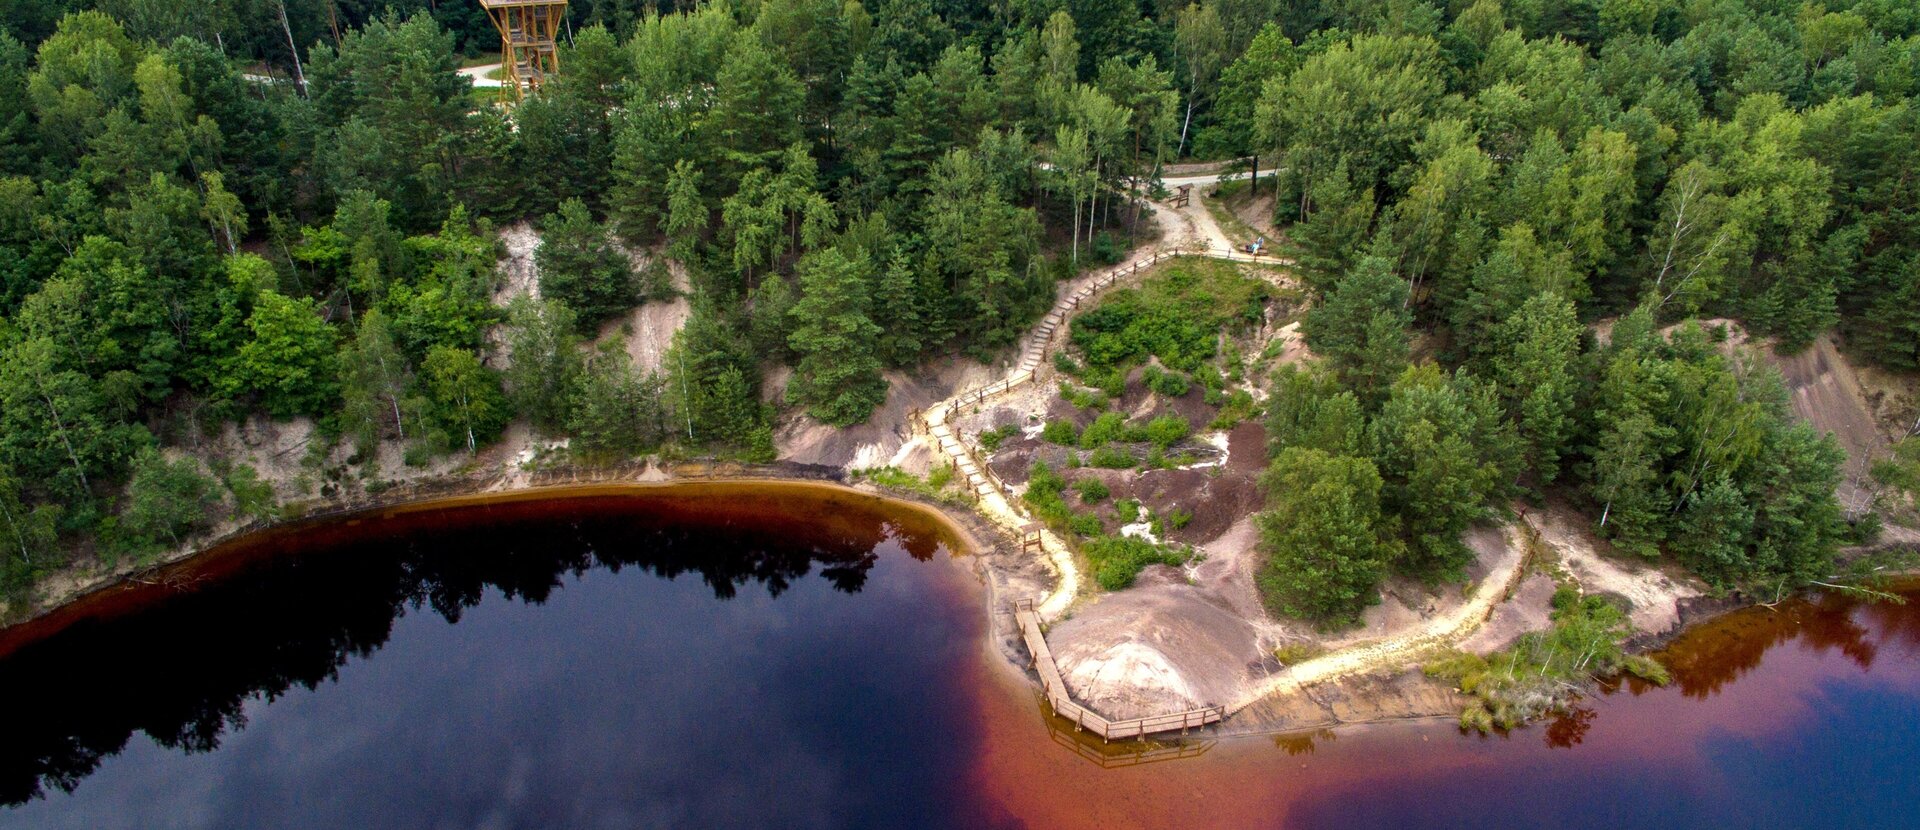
(1140,530)
(1129,669)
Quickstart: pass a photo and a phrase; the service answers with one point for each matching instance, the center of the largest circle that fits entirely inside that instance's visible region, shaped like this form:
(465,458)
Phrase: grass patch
(937,485)
(1541,673)
(1293,653)
(1175,317)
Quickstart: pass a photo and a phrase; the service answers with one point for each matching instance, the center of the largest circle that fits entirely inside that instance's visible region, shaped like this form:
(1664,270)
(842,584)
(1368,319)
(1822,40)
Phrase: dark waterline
(786,657)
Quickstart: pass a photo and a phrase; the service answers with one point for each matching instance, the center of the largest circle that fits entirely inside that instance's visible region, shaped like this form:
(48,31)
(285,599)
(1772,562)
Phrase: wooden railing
(1063,705)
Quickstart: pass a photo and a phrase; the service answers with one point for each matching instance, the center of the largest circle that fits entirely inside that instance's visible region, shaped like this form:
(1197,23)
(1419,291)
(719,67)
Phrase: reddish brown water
(792,657)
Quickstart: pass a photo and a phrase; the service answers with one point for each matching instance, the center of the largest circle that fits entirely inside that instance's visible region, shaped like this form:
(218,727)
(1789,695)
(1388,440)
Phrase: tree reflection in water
(303,604)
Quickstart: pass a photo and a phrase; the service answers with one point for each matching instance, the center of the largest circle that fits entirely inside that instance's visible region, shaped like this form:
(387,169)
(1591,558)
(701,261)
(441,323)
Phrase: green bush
(1092,490)
(1169,384)
(993,438)
(1106,429)
(1117,560)
(1067,365)
(1128,510)
(1044,487)
(1083,398)
(1112,459)
(1060,432)
(1536,675)
(1167,430)
(1085,524)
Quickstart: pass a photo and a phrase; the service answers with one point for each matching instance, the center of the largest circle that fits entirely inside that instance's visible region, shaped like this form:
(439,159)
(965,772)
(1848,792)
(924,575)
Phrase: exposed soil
(885,437)
(1652,592)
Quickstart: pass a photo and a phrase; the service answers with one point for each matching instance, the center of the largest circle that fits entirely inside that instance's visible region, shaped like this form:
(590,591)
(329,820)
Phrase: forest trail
(1186,232)
(1441,632)
(1184,235)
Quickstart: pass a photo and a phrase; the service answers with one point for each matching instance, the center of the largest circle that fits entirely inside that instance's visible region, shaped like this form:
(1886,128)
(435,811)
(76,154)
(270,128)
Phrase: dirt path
(1443,631)
(1191,231)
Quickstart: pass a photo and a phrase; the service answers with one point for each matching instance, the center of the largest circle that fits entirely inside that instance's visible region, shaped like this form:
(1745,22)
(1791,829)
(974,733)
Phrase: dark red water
(780,657)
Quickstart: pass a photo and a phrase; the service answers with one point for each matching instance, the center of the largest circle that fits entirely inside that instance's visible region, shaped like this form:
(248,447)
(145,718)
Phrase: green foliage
(1085,524)
(1061,432)
(1322,535)
(1167,430)
(935,486)
(1043,495)
(1698,452)
(1170,384)
(1109,427)
(167,500)
(541,345)
(991,439)
(580,266)
(1092,490)
(838,376)
(1309,408)
(1118,560)
(614,412)
(1534,676)
(1360,329)
(1901,468)
(289,360)
(252,497)
(377,389)
(1174,316)
(1112,458)
(464,398)
(1443,451)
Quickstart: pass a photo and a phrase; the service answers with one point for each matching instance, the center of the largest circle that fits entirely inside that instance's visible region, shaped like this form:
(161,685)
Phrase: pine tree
(580,266)
(1321,536)
(838,375)
(1361,328)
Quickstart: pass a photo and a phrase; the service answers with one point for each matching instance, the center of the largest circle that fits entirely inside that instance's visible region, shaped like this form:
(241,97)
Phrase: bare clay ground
(1652,591)
(881,439)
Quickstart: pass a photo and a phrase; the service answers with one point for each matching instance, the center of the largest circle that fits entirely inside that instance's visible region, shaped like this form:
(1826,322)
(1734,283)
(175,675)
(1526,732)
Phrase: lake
(803,657)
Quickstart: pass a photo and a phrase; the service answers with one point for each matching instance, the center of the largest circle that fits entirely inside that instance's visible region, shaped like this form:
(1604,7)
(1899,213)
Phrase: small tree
(167,499)
(1321,535)
(464,397)
(614,412)
(289,362)
(838,376)
(540,342)
(1361,328)
(580,266)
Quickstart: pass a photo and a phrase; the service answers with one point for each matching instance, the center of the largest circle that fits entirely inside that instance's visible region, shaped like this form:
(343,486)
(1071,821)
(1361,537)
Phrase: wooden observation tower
(529,31)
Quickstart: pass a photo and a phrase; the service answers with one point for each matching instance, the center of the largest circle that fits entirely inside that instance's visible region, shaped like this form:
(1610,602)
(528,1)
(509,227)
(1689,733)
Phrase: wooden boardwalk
(1083,718)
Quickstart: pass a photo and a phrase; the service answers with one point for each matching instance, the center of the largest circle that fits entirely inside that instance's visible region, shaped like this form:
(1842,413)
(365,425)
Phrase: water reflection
(1706,660)
(304,604)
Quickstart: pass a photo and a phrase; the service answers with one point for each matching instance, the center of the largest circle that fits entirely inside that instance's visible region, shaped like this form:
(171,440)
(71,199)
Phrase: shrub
(1237,407)
(1167,430)
(1112,459)
(1535,676)
(1060,432)
(993,438)
(1117,560)
(1128,510)
(1169,384)
(1092,490)
(1066,364)
(1083,398)
(1044,487)
(1085,524)
(1107,428)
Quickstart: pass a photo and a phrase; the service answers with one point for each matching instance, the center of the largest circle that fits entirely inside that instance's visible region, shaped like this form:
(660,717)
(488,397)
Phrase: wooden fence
(1061,701)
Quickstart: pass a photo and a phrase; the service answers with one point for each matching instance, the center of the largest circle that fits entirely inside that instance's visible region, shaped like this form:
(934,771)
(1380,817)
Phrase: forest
(221,211)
